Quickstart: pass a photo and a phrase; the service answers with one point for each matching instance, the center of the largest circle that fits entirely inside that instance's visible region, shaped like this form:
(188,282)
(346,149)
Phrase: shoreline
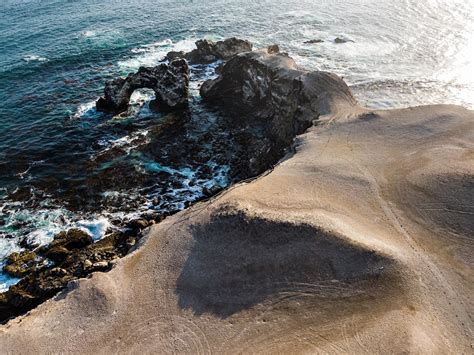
(341,240)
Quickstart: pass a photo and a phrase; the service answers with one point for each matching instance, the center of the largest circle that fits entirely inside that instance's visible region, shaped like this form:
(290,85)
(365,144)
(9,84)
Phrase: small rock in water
(313,41)
(340,40)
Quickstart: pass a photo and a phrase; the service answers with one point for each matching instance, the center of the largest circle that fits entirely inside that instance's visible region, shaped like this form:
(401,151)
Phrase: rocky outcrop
(267,86)
(208,51)
(19,264)
(74,256)
(170,82)
(257,105)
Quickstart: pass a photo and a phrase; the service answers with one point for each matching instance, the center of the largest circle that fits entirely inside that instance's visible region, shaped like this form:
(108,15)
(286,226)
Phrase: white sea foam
(89,33)
(85,110)
(127,143)
(95,227)
(34,58)
(151,54)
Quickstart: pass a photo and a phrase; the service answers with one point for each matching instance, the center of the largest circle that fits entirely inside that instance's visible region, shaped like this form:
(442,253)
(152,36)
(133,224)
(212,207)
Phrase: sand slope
(361,242)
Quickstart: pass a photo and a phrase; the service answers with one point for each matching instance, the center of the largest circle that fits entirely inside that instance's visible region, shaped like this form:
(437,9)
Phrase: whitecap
(84,110)
(151,54)
(95,227)
(89,33)
(34,58)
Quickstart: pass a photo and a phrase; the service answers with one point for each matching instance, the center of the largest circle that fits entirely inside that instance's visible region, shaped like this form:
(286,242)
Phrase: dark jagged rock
(208,51)
(173,55)
(19,264)
(313,41)
(64,243)
(268,87)
(170,82)
(39,284)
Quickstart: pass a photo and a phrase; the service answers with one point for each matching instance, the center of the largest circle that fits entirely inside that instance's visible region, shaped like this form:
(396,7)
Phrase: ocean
(55,56)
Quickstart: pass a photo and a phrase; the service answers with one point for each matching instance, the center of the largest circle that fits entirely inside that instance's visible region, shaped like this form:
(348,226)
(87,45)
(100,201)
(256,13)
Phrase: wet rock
(340,40)
(39,284)
(138,224)
(19,264)
(211,191)
(175,55)
(313,41)
(57,253)
(208,51)
(72,239)
(170,82)
(26,243)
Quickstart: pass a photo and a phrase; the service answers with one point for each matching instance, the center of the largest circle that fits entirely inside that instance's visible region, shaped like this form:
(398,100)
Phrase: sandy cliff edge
(359,242)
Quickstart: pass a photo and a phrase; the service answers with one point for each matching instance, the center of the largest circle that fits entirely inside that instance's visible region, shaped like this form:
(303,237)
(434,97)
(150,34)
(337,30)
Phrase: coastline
(139,306)
(348,257)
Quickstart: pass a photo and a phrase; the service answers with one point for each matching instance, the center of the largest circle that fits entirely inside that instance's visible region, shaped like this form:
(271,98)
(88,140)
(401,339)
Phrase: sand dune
(360,242)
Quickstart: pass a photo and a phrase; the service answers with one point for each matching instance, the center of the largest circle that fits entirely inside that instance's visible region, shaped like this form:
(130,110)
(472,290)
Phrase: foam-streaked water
(56,55)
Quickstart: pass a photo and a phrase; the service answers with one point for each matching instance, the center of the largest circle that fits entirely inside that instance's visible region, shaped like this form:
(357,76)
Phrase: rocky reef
(260,101)
(170,82)
(70,256)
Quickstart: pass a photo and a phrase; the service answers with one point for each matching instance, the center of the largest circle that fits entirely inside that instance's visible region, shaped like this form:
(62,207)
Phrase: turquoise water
(56,55)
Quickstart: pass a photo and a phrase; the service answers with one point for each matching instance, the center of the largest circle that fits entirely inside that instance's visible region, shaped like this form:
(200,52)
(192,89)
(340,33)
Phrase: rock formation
(208,51)
(313,41)
(267,86)
(266,101)
(74,256)
(170,82)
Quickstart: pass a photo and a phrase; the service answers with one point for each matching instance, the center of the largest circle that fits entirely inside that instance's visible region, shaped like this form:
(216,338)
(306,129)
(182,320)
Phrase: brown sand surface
(359,242)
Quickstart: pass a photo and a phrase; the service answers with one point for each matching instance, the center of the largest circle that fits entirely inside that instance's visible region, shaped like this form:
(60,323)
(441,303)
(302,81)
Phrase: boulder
(208,51)
(19,264)
(72,239)
(170,82)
